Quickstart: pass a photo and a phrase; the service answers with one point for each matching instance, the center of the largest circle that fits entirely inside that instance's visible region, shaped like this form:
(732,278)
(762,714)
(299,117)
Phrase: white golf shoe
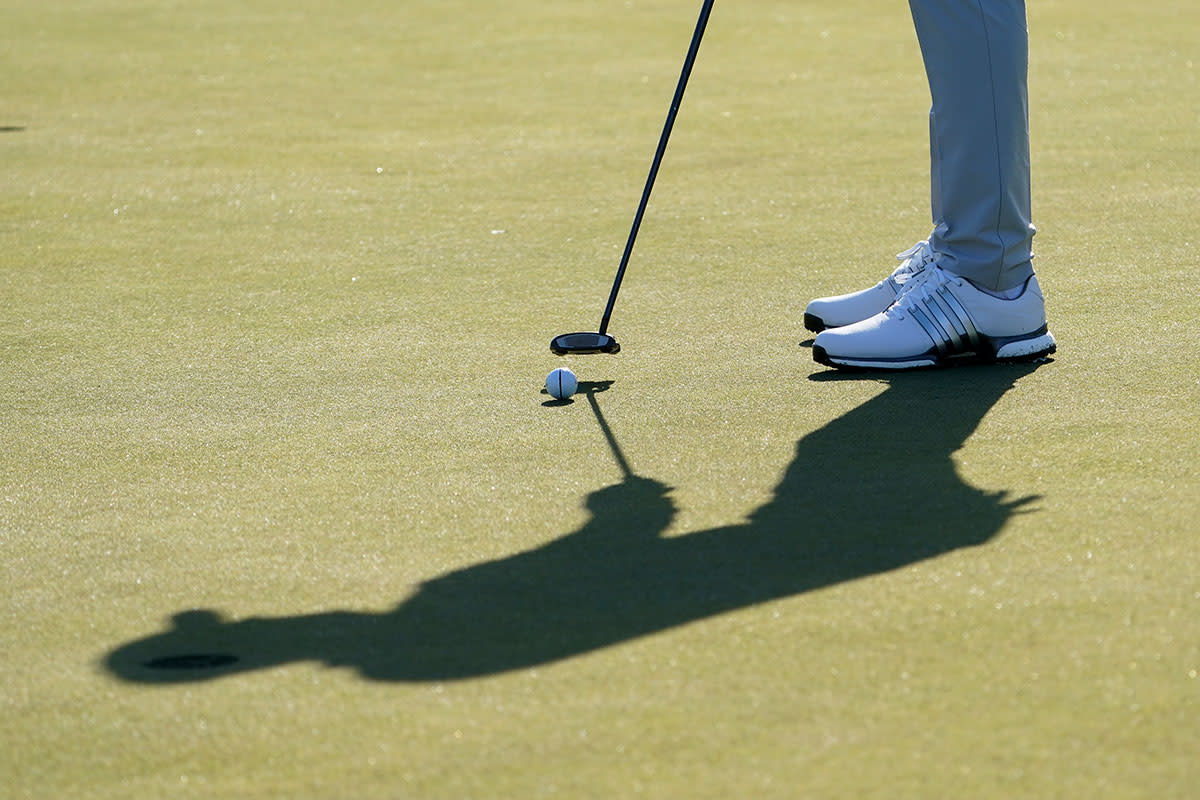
(846,309)
(942,319)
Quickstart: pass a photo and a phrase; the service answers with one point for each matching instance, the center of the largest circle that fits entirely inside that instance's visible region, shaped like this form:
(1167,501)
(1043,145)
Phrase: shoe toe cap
(881,336)
(847,309)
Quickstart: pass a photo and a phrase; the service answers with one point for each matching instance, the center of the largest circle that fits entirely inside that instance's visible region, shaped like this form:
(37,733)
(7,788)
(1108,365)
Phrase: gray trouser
(976,55)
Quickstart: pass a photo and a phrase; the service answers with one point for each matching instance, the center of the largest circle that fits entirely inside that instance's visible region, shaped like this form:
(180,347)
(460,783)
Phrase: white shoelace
(912,262)
(919,287)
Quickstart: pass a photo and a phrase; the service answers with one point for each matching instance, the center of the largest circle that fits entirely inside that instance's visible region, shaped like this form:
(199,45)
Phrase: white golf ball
(561,383)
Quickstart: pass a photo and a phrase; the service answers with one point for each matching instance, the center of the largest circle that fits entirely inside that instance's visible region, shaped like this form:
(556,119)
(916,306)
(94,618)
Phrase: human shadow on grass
(872,491)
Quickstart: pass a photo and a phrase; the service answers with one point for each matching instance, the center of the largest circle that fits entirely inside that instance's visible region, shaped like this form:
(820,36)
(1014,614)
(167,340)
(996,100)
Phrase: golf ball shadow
(584,388)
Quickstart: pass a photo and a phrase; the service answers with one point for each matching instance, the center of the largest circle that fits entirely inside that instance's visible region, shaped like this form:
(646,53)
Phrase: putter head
(583,343)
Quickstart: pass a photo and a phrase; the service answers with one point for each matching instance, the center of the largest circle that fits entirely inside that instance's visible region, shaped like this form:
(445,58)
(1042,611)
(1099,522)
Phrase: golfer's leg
(976,55)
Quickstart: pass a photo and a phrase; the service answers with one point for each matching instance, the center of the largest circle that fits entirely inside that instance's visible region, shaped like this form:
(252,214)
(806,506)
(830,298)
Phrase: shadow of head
(195,646)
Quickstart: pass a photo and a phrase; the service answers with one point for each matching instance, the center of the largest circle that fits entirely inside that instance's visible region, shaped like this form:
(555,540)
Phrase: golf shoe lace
(912,262)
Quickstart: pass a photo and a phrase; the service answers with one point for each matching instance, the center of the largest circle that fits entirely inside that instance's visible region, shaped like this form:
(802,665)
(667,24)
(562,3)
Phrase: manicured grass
(276,289)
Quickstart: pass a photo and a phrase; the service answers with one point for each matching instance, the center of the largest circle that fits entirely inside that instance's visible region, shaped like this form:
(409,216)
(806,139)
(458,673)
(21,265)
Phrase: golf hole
(192,661)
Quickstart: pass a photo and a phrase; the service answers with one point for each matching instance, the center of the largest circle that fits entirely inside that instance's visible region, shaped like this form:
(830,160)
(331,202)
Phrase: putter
(586,342)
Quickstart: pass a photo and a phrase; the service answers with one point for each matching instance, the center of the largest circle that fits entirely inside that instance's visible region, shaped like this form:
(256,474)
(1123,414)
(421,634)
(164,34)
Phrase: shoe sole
(998,350)
(814,323)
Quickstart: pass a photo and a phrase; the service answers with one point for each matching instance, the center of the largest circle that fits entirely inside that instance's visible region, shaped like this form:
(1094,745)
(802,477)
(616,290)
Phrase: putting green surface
(284,512)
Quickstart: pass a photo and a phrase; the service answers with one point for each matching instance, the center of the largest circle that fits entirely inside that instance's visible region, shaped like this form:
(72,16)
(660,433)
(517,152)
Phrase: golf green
(285,512)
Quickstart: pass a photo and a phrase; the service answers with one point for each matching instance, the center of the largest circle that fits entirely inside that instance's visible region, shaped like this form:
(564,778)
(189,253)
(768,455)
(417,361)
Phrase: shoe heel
(1027,349)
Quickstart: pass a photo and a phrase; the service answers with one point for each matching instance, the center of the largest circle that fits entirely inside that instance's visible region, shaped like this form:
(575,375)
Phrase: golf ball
(561,383)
